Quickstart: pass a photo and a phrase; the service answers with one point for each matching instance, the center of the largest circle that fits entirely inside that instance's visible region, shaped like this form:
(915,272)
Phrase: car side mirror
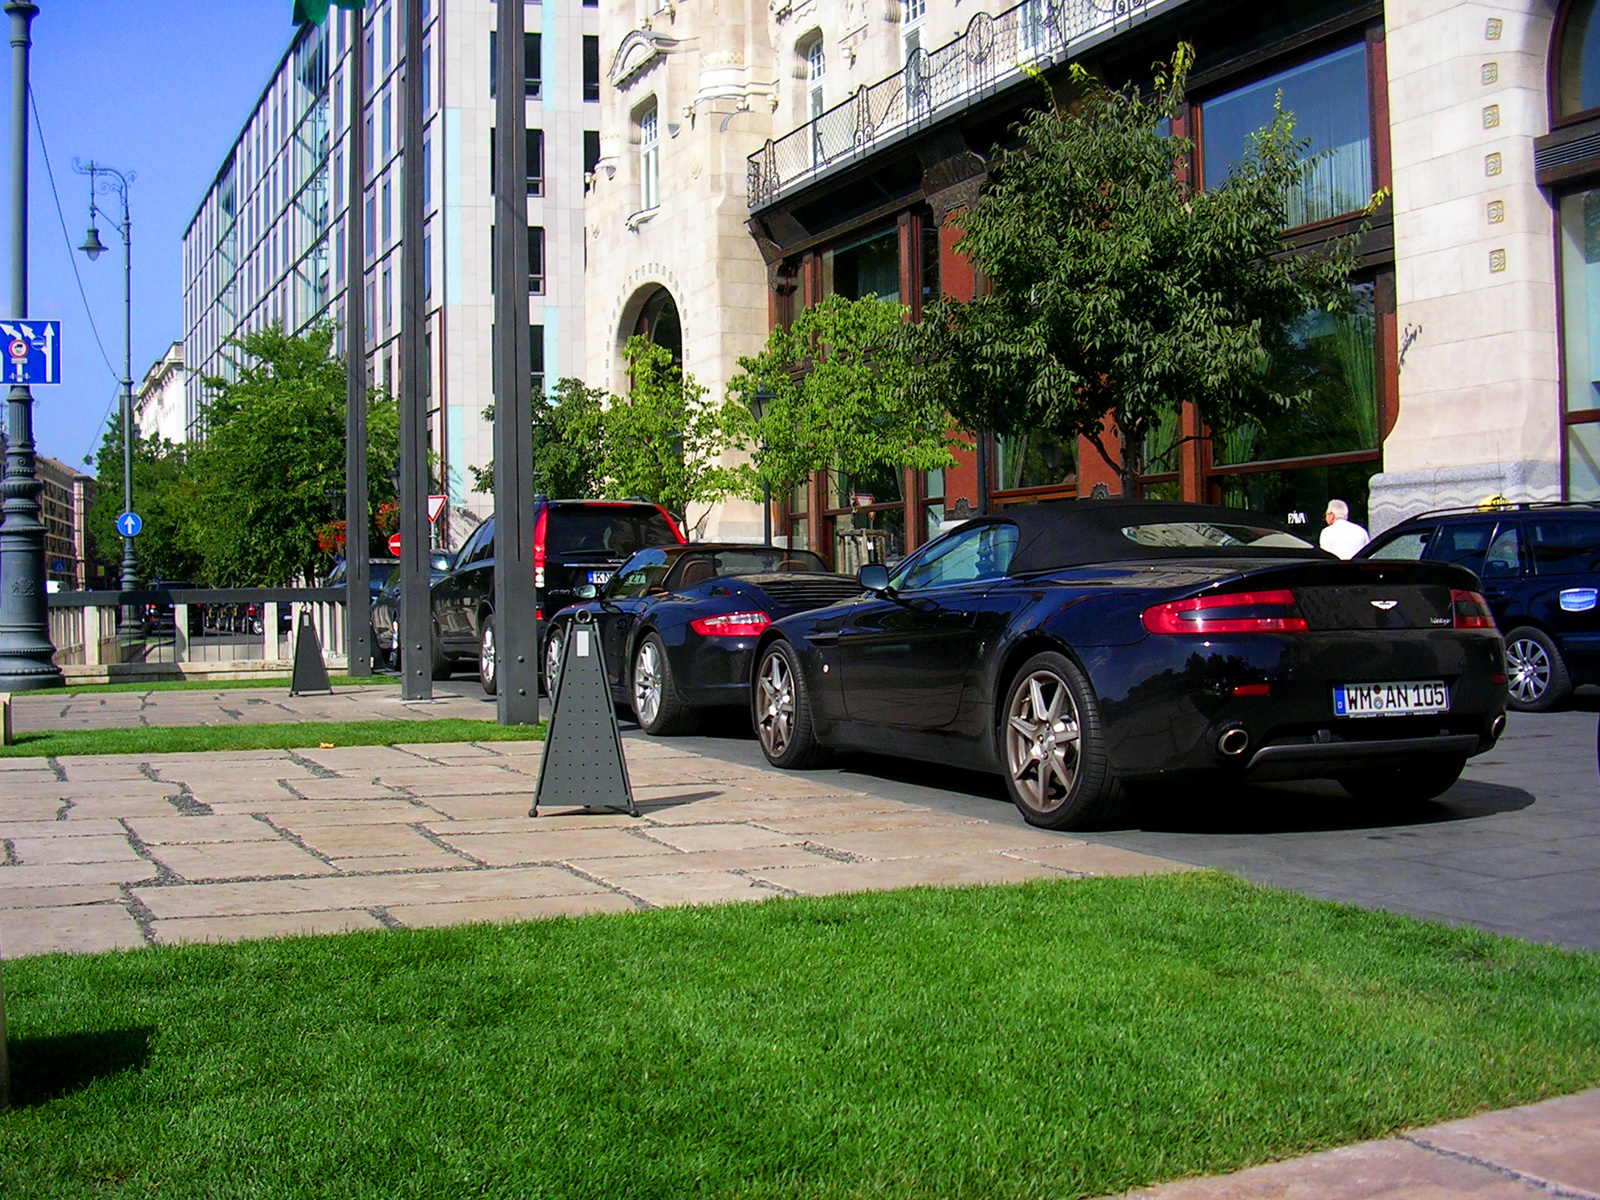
(874,577)
(587,591)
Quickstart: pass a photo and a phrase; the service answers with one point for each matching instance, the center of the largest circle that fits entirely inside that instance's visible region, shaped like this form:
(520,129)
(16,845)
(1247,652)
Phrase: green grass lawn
(1061,1039)
(174,739)
(212,685)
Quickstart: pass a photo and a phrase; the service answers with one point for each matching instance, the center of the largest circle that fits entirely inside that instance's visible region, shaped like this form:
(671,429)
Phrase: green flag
(316,11)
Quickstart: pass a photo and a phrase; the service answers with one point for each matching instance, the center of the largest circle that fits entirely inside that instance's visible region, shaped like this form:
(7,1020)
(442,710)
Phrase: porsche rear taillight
(1228,612)
(1470,610)
(538,548)
(739,624)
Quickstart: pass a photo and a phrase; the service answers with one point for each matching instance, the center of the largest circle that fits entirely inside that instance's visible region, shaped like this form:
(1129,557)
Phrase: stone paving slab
(1528,1153)
(150,849)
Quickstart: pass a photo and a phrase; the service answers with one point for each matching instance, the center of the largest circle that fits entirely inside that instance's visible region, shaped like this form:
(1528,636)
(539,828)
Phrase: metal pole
(26,655)
(130,572)
(766,512)
(416,667)
(358,575)
(516,597)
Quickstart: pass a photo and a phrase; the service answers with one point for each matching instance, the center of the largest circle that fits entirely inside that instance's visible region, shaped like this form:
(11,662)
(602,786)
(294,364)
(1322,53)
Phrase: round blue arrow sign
(129,524)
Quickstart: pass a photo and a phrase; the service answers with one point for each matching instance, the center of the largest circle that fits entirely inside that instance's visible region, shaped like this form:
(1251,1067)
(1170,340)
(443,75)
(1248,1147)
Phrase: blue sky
(157,87)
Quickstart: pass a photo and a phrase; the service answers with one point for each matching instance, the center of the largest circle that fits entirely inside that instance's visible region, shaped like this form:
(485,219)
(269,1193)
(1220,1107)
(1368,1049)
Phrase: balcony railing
(995,53)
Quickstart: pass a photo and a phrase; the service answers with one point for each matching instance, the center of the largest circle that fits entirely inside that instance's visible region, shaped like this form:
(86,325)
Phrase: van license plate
(1390,699)
(599,577)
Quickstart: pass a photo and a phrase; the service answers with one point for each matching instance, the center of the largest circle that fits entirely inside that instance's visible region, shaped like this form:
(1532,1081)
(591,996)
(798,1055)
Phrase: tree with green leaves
(841,379)
(568,434)
(662,440)
(1119,290)
(161,492)
(271,470)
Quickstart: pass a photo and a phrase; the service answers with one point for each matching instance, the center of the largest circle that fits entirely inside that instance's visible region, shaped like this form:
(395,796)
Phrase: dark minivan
(574,542)
(1540,566)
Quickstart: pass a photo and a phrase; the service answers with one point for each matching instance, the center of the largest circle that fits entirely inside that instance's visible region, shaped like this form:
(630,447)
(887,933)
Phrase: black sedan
(679,624)
(1084,648)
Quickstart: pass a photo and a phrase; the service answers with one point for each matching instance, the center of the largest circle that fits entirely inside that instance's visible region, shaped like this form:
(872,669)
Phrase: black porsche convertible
(679,624)
(1083,648)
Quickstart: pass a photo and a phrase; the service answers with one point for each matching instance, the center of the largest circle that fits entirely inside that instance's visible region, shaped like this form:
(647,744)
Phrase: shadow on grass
(47,1068)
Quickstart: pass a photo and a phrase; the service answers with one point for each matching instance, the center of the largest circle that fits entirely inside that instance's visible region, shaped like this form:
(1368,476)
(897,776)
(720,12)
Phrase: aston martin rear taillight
(1471,610)
(1228,612)
(739,624)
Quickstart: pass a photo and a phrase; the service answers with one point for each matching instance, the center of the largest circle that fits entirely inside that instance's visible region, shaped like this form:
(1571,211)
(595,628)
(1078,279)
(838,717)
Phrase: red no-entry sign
(394,544)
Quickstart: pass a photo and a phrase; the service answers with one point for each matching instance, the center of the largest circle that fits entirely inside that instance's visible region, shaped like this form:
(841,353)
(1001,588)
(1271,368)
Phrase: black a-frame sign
(582,762)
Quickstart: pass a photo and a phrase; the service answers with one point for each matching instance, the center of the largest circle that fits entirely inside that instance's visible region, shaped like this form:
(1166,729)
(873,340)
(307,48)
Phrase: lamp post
(759,403)
(107,181)
(26,656)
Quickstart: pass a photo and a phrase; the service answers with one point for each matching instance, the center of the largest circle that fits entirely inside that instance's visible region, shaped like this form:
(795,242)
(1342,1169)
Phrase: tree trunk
(1128,462)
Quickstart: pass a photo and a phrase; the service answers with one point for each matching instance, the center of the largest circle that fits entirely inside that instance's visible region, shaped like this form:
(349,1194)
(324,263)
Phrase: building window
(427,78)
(388,300)
(869,266)
(427,266)
(1577,75)
(366,148)
(1580,329)
(536,362)
(427,172)
(388,216)
(591,67)
(388,41)
(388,125)
(535,167)
(816,68)
(371,320)
(591,150)
(1328,97)
(650,158)
(1032,460)
(532,66)
(371,230)
(494,61)
(535,260)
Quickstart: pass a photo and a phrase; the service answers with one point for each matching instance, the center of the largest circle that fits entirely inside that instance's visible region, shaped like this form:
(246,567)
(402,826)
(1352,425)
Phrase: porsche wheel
(1054,748)
(488,673)
(780,710)
(656,705)
(554,646)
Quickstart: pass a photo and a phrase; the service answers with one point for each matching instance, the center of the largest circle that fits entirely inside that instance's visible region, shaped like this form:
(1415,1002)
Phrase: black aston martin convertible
(1082,648)
(679,624)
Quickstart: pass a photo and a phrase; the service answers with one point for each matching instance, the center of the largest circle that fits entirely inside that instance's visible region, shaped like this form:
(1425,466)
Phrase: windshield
(644,573)
(609,532)
(1209,535)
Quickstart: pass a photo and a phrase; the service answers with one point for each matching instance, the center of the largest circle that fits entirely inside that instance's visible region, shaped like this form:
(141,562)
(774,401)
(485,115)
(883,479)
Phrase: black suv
(574,542)
(1540,566)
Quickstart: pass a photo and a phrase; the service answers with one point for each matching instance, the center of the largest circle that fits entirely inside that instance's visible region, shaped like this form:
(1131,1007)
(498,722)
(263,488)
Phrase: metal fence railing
(217,629)
(994,53)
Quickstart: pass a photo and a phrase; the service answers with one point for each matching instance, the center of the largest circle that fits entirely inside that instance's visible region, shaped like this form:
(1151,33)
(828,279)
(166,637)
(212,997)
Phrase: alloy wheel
(552,662)
(775,705)
(486,657)
(647,683)
(1528,668)
(1043,740)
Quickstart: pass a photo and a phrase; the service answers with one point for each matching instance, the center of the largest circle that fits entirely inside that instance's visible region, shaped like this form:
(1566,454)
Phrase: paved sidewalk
(1541,1150)
(36,711)
(102,852)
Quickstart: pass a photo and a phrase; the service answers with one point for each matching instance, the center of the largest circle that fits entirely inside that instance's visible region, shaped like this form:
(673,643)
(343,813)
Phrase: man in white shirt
(1342,536)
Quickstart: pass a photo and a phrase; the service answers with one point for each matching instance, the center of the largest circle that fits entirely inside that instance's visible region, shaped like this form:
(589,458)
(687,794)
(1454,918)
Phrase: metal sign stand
(310,673)
(582,762)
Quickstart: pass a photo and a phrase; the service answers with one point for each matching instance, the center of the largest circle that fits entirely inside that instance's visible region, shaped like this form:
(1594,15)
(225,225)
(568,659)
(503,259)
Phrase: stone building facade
(164,404)
(756,158)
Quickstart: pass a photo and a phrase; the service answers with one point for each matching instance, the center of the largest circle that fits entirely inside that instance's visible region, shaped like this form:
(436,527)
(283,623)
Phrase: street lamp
(107,181)
(759,404)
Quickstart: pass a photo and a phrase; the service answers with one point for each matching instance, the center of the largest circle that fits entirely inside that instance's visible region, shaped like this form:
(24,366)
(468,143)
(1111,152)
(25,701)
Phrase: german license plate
(1390,699)
(599,577)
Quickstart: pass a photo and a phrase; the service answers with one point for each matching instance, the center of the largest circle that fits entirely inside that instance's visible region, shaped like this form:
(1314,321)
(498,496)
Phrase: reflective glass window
(869,267)
(1578,61)
(968,556)
(1328,99)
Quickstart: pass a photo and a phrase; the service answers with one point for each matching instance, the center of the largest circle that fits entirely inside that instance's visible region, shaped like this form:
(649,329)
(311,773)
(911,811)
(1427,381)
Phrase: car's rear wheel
(780,710)
(1422,780)
(656,705)
(488,667)
(1055,759)
(554,646)
(1536,674)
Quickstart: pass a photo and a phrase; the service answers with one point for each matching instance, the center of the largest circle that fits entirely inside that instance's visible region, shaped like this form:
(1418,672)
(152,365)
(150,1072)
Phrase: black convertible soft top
(1074,533)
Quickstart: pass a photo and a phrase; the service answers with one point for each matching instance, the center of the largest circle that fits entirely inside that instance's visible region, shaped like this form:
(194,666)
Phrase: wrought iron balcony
(994,54)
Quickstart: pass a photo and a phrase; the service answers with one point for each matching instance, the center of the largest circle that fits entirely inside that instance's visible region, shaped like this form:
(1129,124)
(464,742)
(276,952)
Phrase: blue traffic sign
(129,524)
(30,351)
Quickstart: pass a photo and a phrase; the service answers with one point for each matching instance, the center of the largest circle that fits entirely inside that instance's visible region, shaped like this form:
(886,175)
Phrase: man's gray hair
(1339,509)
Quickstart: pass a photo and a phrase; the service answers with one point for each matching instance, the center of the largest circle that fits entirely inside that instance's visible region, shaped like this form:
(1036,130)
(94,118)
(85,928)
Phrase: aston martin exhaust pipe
(1233,742)
(1497,728)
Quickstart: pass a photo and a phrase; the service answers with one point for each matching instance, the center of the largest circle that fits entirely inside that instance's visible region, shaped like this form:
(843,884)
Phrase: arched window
(1577,60)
